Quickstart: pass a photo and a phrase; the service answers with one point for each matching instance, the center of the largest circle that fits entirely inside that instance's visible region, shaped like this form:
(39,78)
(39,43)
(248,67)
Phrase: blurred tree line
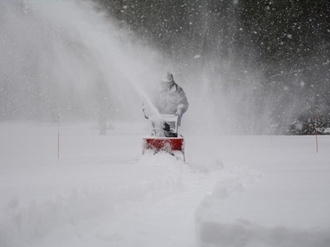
(285,44)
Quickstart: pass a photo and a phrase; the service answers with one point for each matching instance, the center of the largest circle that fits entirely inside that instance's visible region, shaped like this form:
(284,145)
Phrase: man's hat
(168,77)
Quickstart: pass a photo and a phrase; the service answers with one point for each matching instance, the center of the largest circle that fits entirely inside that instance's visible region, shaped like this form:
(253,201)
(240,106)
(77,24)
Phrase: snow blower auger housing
(165,137)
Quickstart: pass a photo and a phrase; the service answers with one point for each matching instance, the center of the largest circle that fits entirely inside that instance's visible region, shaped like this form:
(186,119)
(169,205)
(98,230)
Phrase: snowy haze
(63,184)
(69,59)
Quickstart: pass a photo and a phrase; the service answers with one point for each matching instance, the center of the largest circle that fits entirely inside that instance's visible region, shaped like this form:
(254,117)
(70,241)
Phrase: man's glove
(145,114)
(146,110)
(166,127)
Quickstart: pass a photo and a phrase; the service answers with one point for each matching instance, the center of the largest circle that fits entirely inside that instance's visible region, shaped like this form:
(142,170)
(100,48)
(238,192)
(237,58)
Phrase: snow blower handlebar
(171,126)
(166,126)
(172,121)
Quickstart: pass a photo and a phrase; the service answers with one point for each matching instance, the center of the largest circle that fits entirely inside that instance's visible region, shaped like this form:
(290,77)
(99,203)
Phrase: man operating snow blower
(170,100)
(165,113)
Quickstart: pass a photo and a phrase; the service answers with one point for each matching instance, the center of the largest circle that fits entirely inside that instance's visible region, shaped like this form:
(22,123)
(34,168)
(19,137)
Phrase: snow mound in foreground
(245,233)
(22,225)
(240,213)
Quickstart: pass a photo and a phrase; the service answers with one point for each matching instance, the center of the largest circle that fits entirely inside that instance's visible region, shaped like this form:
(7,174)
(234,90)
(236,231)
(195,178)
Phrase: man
(170,99)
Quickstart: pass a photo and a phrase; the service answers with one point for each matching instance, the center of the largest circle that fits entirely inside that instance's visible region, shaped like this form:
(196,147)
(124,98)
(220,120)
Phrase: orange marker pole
(58,137)
(316,139)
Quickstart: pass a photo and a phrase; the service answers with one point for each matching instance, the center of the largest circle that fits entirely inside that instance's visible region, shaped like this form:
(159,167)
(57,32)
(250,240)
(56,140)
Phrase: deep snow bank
(28,224)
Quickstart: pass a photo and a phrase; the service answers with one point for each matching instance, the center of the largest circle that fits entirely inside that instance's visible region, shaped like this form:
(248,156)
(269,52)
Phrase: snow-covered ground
(232,191)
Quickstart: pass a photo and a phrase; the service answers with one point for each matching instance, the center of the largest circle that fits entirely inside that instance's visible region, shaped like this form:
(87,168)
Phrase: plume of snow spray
(54,54)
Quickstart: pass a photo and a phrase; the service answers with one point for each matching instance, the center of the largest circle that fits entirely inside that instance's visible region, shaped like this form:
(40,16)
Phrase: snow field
(47,202)
(232,191)
(40,194)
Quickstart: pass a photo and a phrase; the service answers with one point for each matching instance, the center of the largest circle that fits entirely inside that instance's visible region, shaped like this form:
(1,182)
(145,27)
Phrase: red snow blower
(165,137)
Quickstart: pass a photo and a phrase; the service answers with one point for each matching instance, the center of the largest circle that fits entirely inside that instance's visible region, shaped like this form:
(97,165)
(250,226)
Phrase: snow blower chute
(165,137)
